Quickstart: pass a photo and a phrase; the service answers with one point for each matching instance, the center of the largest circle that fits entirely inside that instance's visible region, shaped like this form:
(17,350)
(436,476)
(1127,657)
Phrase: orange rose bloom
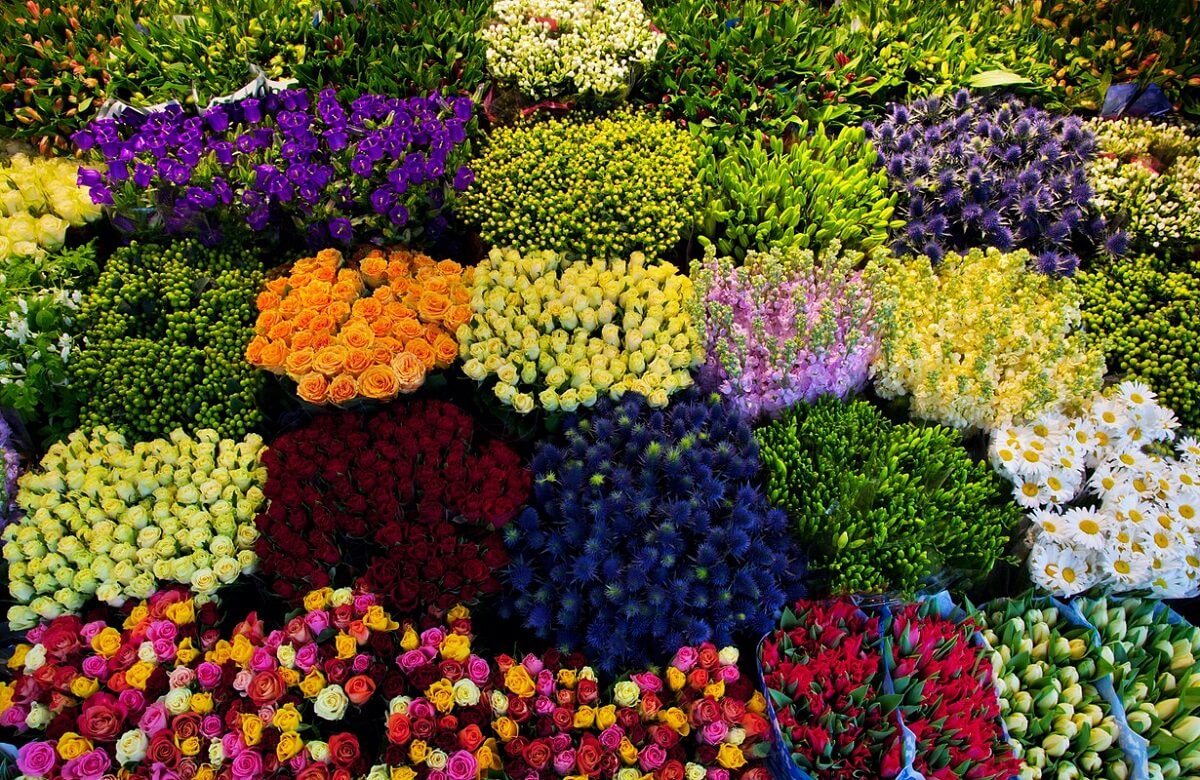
(299,362)
(329,256)
(329,360)
(382,326)
(383,294)
(435,284)
(339,310)
(397,268)
(408,329)
(350,277)
(342,389)
(379,382)
(317,294)
(281,330)
(381,355)
(398,311)
(266,300)
(266,320)
(422,350)
(358,360)
(313,388)
(389,343)
(457,315)
(325,274)
(367,308)
(449,267)
(302,319)
(303,339)
(344,292)
(291,306)
(374,268)
(320,341)
(255,349)
(299,278)
(322,323)
(410,371)
(273,355)
(445,350)
(357,334)
(432,331)
(278,286)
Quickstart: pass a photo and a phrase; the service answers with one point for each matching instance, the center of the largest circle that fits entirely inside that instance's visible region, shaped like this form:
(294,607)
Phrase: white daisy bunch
(554,48)
(112,520)
(1111,506)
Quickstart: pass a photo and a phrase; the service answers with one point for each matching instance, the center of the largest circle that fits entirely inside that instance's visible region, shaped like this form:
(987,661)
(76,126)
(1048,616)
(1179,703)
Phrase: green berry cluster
(817,190)
(883,507)
(1145,313)
(598,189)
(165,330)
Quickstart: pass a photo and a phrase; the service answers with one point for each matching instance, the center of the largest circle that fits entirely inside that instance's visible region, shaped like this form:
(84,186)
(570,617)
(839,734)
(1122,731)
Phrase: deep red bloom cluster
(406,502)
(956,715)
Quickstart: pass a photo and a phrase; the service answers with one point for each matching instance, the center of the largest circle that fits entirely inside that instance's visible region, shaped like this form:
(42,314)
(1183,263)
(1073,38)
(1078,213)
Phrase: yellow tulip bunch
(981,340)
(560,335)
(39,200)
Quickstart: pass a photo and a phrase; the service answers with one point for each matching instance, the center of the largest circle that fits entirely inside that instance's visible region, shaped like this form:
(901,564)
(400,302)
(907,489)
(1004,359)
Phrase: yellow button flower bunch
(39,200)
(110,520)
(981,340)
(560,335)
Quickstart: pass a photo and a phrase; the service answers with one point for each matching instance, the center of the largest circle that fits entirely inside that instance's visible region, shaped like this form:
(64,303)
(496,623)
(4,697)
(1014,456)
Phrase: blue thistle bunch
(983,174)
(646,533)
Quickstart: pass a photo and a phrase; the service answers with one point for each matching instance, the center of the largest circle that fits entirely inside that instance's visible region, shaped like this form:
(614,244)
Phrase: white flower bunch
(551,48)
(108,520)
(1108,509)
(39,200)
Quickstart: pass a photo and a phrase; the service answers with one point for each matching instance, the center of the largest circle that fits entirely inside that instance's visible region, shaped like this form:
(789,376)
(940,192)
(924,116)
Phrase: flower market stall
(600,390)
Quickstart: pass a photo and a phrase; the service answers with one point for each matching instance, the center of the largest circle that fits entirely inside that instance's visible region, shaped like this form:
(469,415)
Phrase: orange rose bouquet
(368,330)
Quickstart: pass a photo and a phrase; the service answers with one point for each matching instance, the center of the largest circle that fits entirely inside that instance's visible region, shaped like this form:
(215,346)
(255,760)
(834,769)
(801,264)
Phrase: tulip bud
(1056,745)
(1116,629)
(1139,721)
(1073,694)
(1041,633)
(1046,700)
(1067,771)
(1041,651)
(1032,674)
(1190,762)
(1100,614)
(1068,675)
(1017,724)
(1166,708)
(1187,729)
(1091,762)
(1065,726)
(1023,702)
(1077,649)
(1167,681)
(1169,766)
(1030,773)
(1036,756)
(1100,740)
(1117,770)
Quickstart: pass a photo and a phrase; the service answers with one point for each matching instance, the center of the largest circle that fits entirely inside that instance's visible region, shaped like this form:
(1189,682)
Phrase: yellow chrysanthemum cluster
(981,340)
(39,200)
(568,333)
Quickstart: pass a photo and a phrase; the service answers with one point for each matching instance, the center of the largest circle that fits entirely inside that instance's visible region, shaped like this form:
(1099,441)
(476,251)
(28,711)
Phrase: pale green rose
(46,608)
(110,593)
(64,576)
(122,552)
(145,558)
(226,569)
(21,590)
(70,599)
(45,582)
(204,581)
(84,582)
(187,494)
(132,745)
(136,517)
(247,535)
(21,617)
(248,560)
(183,569)
(124,572)
(39,716)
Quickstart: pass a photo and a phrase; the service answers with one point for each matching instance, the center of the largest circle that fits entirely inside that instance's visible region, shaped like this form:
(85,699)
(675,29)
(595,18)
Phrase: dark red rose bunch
(406,501)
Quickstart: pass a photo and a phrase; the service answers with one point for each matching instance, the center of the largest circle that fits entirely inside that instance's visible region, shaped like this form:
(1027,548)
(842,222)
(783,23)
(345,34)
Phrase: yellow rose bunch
(980,340)
(108,519)
(560,335)
(39,200)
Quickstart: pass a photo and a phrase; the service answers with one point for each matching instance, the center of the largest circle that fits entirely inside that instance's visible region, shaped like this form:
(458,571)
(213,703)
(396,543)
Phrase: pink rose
(610,738)
(317,620)
(181,677)
(647,681)
(545,682)
(412,661)
(432,637)
(435,774)
(36,759)
(361,663)
(560,742)
(241,681)
(274,640)
(685,659)
(232,744)
(91,765)
(717,773)
(154,719)
(729,674)
(715,732)
(132,699)
(461,766)
(35,634)
(362,601)
(532,663)
(652,757)
(212,726)
(266,713)
(95,666)
(306,658)
(563,761)
(248,764)
(162,629)
(478,670)
(164,649)
(14,717)
(298,762)
(209,674)
(420,708)
(262,660)
(543,706)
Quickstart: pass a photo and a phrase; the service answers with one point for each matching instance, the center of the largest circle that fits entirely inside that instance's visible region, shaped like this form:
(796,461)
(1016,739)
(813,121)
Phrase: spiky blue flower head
(991,172)
(665,540)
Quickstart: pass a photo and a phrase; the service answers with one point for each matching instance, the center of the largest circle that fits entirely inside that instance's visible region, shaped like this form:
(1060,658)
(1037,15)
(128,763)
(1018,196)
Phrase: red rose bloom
(102,717)
(344,749)
(266,687)
(537,754)
(470,738)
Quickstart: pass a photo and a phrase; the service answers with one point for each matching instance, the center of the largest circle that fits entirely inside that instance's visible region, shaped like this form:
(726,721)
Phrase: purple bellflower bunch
(787,326)
(378,168)
(978,173)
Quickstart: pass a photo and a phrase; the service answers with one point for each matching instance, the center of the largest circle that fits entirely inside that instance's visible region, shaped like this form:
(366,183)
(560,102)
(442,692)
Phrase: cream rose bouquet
(111,520)
(39,200)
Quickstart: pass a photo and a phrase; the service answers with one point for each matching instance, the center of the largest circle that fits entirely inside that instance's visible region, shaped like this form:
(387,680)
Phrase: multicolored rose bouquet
(1110,504)
(406,501)
(112,520)
(369,330)
(978,340)
(39,201)
(378,167)
(1047,672)
(785,326)
(562,335)
(646,531)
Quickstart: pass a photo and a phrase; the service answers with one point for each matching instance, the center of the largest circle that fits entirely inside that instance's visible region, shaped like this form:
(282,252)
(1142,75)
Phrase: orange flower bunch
(373,331)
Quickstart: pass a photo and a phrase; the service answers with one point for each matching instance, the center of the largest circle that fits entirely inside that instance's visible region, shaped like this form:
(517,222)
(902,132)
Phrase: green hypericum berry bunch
(818,190)
(596,189)
(1143,312)
(165,331)
(882,507)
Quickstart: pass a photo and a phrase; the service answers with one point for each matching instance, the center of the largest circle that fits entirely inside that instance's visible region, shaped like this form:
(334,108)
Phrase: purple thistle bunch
(974,173)
(11,461)
(379,167)
(785,327)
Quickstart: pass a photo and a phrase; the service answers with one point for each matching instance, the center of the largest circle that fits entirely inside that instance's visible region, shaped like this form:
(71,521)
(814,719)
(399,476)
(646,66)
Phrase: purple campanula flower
(341,229)
(251,111)
(217,119)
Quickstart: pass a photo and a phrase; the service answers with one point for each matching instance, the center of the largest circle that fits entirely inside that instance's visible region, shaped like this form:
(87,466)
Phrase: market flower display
(786,326)
(979,340)
(369,330)
(882,506)
(561,48)
(646,530)
(112,519)
(979,173)
(560,335)
(1046,672)
(39,202)
(335,172)
(1111,505)
(594,189)
(405,501)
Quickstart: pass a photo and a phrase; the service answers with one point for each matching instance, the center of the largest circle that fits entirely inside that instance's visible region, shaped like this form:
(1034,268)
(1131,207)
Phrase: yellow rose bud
(730,756)
(346,646)
(290,744)
(456,647)
(83,686)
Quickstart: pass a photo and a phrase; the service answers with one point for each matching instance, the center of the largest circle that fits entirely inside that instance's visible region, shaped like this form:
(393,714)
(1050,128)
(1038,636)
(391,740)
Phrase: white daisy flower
(1030,493)
(1086,528)
(1189,449)
(1128,567)
(1061,570)
(1052,525)
(1137,395)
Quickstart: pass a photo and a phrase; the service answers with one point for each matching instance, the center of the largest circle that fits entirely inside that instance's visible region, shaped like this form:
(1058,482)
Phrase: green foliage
(817,190)
(166,329)
(1143,311)
(39,301)
(597,189)
(882,507)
